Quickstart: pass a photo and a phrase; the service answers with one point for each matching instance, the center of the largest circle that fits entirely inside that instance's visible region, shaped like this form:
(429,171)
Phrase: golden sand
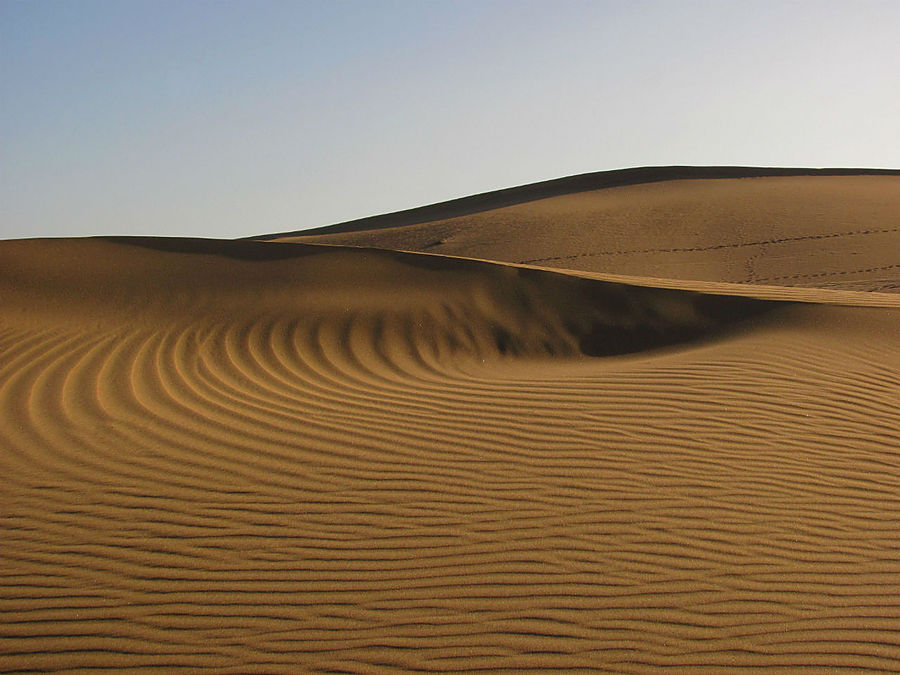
(263,457)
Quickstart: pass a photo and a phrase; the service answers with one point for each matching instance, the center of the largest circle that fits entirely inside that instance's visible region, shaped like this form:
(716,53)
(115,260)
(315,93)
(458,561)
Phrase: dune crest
(294,457)
(461,307)
(803,228)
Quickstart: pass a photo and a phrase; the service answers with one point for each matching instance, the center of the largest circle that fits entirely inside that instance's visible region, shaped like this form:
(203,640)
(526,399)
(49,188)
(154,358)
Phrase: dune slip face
(263,457)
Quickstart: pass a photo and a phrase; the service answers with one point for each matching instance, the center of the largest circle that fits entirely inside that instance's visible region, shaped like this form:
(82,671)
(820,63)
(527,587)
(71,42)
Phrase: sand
(465,443)
(817,231)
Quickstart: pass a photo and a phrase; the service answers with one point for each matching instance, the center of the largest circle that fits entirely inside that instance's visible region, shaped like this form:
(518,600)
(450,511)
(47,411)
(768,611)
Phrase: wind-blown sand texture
(303,456)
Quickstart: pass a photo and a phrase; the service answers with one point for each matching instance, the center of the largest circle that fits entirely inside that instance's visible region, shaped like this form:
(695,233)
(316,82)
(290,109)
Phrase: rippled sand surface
(323,454)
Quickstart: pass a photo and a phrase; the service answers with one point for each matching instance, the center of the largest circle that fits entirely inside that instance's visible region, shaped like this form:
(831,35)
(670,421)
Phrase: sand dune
(818,230)
(295,457)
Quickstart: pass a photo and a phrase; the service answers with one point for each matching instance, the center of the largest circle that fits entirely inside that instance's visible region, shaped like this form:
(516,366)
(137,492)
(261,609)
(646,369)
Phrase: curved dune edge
(327,459)
(759,291)
(743,290)
(794,228)
(567,185)
(522,310)
(828,296)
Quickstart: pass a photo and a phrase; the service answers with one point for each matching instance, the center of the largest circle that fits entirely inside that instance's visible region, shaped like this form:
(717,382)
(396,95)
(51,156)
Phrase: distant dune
(619,422)
(826,228)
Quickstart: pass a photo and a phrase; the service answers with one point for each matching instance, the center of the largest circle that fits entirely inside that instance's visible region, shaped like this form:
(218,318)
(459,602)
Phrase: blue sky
(227,119)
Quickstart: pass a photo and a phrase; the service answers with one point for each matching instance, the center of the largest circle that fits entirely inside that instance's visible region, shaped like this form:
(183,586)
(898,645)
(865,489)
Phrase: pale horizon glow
(230,119)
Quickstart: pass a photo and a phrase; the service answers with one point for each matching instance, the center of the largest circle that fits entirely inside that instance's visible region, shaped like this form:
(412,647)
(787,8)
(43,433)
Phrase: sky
(234,118)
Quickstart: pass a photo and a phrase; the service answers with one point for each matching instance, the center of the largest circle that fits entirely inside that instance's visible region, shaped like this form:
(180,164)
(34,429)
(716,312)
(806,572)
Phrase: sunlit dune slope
(267,458)
(788,227)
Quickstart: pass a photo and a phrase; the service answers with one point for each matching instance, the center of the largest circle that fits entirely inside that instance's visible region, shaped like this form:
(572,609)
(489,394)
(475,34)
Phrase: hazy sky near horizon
(227,119)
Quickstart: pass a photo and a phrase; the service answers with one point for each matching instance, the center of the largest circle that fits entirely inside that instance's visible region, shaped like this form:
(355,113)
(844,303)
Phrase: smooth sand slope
(262,457)
(810,230)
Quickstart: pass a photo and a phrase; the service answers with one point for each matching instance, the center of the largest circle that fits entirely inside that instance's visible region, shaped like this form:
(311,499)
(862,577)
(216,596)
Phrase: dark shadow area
(603,339)
(465,206)
(612,319)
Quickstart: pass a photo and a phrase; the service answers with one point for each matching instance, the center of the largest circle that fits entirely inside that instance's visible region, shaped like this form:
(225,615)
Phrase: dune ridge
(799,229)
(252,456)
(586,182)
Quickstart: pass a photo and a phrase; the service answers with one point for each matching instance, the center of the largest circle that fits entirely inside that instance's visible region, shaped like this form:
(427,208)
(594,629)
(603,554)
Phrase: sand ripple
(418,469)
